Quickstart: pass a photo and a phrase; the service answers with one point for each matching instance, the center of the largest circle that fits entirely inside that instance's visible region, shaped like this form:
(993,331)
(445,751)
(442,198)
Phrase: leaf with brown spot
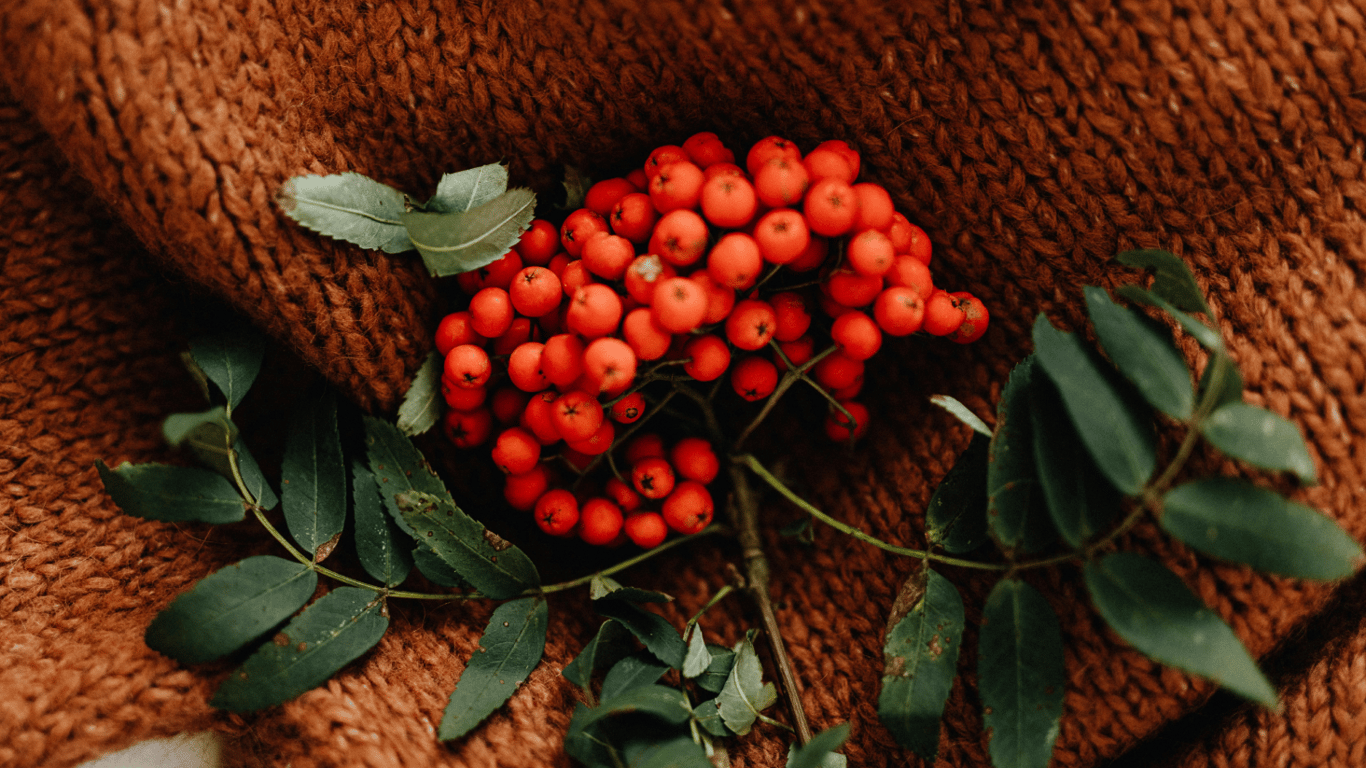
(921,659)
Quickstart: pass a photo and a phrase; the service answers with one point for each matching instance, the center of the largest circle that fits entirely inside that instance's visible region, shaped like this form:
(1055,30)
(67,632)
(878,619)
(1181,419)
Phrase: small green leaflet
(210,434)
(1118,438)
(1230,382)
(230,608)
(718,671)
(586,742)
(1020,675)
(921,659)
(635,671)
(956,518)
(962,413)
(348,206)
(253,478)
(1151,608)
(1235,520)
(1207,336)
(1080,501)
(658,635)
(397,465)
(173,494)
(696,661)
(459,192)
(820,751)
(380,545)
(608,588)
(1016,515)
(231,359)
(1259,437)
(422,403)
(494,566)
(331,633)
(1145,357)
(1173,280)
(608,646)
(451,243)
(745,694)
(510,648)
(708,716)
(313,474)
(655,752)
(667,704)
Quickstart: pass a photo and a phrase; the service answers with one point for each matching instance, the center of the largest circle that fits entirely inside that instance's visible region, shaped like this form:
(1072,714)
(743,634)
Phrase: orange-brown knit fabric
(1032,140)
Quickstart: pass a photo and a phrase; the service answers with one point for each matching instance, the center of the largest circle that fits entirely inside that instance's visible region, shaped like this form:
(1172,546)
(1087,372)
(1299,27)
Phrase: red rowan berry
(812,256)
(751,324)
(852,289)
(754,378)
(829,306)
(622,494)
(508,404)
(516,451)
(661,157)
(680,237)
(455,329)
(837,370)
(499,274)
(724,169)
(851,157)
(920,246)
(874,207)
(899,232)
(837,425)
(574,276)
(689,508)
(797,351)
(462,398)
(644,274)
(770,148)
(577,415)
(558,262)
(852,390)
(678,185)
(524,490)
(595,311)
(468,366)
(728,201)
(538,418)
(825,163)
(710,357)
(491,312)
(538,243)
(628,409)
(638,179)
(562,359)
(705,149)
(720,298)
(557,511)
(470,282)
(467,429)
(524,367)
(694,459)
(975,318)
(857,335)
(782,236)
(679,305)
(598,442)
(831,207)
(943,314)
(604,195)
(909,272)
(517,334)
(646,530)
(899,310)
(610,363)
(647,339)
(869,253)
(652,478)
(781,182)
(634,217)
(608,256)
(599,521)
(792,315)
(535,291)
(578,227)
(735,261)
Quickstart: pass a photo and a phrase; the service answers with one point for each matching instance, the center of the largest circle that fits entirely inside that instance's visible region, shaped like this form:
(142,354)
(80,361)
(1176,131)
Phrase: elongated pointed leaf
(1080,501)
(380,545)
(1259,437)
(697,659)
(421,405)
(451,243)
(173,494)
(231,359)
(331,633)
(608,588)
(659,751)
(921,660)
(436,570)
(397,466)
(469,189)
(1235,520)
(1020,675)
(313,474)
(230,608)
(1172,280)
(348,206)
(1207,336)
(510,648)
(609,645)
(494,566)
(1016,514)
(658,635)
(962,413)
(253,477)
(956,518)
(819,751)
(587,741)
(1145,357)
(718,671)
(1151,608)
(1117,436)
(708,717)
(635,671)
(1230,381)
(745,694)
(210,434)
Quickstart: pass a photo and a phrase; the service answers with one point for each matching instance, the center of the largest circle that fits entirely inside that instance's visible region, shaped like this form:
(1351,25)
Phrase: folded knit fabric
(1031,140)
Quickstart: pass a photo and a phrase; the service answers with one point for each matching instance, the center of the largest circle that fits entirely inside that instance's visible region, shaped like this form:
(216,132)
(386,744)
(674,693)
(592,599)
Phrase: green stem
(725,589)
(624,564)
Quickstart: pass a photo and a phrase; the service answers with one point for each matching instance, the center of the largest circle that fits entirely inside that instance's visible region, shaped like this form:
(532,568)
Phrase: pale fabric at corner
(199,750)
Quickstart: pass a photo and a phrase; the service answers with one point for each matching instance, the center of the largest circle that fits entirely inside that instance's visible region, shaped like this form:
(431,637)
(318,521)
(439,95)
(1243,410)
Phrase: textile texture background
(141,144)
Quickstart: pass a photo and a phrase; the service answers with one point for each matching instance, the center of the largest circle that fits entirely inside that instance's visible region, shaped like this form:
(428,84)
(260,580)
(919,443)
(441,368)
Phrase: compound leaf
(1016,514)
(348,206)
(436,570)
(422,403)
(956,518)
(231,359)
(1172,280)
(510,648)
(382,552)
(1020,675)
(658,635)
(1259,437)
(708,716)
(494,566)
(462,191)
(921,659)
(1145,357)
(745,694)
(1151,608)
(313,474)
(1080,500)
(173,494)
(718,670)
(230,607)
(451,243)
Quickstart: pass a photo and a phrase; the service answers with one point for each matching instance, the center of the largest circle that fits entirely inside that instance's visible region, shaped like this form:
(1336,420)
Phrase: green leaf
(1020,675)
(1235,520)
(708,717)
(331,633)
(1259,437)
(1118,438)
(658,635)
(1173,280)
(1080,501)
(587,742)
(608,646)
(436,570)
(819,751)
(718,671)
(210,434)
(608,588)
(459,192)
(678,751)
(576,185)
(745,694)
(697,659)
(1145,357)
(421,406)
(1016,515)
(348,206)
(173,494)
(230,607)
(201,381)
(1207,336)
(632,672)
(494,566)
(397,465)
(1230,383)
(253,478)
(231,359)
(510,648)
(956,518)
(379,545)
(962,413)
(921,659)
(451,243)
(1151,608)
(313,474)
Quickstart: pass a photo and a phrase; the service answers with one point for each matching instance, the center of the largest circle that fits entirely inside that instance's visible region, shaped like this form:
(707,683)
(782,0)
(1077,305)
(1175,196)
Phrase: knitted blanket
(141,145)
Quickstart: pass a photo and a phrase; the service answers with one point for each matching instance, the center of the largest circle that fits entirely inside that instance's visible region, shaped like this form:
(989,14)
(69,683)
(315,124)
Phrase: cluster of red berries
(666,264)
